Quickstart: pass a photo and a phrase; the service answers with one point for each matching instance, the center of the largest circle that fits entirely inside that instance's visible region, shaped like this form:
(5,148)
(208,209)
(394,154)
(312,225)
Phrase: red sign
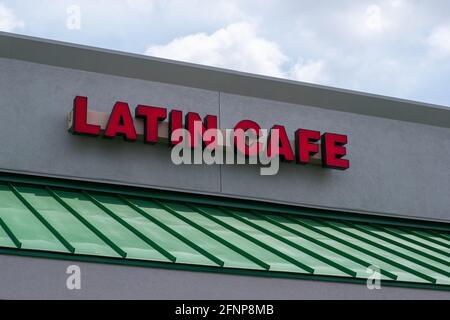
(121,123)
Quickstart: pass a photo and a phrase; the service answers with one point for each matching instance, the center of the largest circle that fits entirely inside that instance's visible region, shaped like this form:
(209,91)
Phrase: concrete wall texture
(396,167)
(36,278)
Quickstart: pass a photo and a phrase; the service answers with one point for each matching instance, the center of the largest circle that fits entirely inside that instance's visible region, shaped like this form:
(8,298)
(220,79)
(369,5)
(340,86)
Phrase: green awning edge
(172,202)
(105,187)
(200,268)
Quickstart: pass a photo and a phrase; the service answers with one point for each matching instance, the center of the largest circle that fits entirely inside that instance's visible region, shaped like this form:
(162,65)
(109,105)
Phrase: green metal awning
(111,224)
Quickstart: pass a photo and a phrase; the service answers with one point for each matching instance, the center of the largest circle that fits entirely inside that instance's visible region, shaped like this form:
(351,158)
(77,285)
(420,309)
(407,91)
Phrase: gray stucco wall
(396,167)
(36,278)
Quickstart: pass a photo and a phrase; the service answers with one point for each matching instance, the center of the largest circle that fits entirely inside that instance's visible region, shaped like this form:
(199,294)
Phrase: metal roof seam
(213,236)
(180,237)
(349,244)
(133,230)
(215,231)
(10,234)
(327,246)
(33,210)
(390,261)
(86,223)
(292,244)
(424,254)
(137,191)
(420,243)
(255,241)
(439,243)
(417,261)
(440,235)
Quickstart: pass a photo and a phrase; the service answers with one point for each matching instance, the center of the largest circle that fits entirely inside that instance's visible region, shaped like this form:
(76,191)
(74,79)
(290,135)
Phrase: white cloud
(397,3)
(8,20)
(374,18)
(140,4)
(310,71)
(236,46)
(203,12)
(439,40)
(239,47)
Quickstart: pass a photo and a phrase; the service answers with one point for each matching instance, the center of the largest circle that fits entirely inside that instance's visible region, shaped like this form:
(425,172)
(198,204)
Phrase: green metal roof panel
(268,258)
(358,253)
(25,225)
(384,259)
(5,239)
(78,235)
(324,259)
(405,257)
(399,238)
(134,246)
(183,252)
(49,218)
(267,234)
(430,241)
(231,258)
(415,252)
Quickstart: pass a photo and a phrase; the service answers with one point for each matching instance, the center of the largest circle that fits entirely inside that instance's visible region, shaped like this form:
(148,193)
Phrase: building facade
(135,225)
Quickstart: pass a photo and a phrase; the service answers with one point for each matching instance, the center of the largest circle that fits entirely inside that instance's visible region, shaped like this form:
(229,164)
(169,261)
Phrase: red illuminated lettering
(284,146)
(247,136)
(175,123)
(333,150)
(151,116)
(121,123)
(79,119)
(305,145)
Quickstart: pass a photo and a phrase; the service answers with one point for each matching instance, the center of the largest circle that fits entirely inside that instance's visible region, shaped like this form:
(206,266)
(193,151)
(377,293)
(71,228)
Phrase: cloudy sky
(398,48)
